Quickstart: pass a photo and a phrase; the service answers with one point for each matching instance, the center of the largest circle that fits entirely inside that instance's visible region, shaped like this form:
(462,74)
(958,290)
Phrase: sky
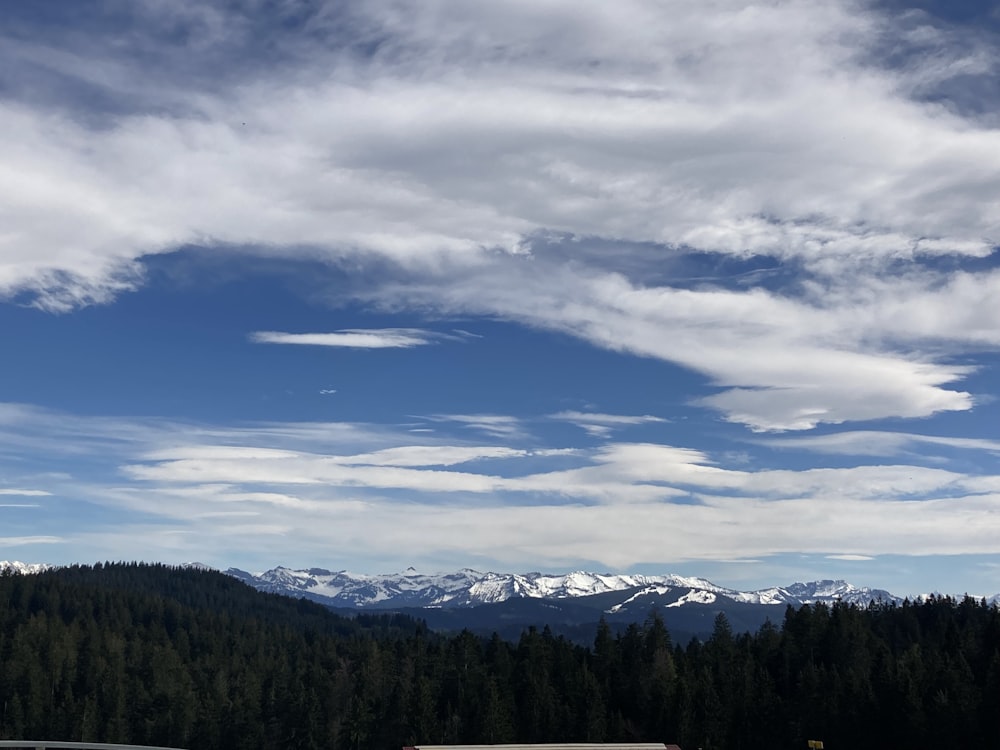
(647,286)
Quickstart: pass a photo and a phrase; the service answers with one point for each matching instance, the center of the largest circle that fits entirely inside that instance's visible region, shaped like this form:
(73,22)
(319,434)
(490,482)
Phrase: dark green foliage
(159,655)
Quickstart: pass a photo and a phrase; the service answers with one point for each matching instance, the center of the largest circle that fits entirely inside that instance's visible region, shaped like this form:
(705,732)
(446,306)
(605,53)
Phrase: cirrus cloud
(352,338)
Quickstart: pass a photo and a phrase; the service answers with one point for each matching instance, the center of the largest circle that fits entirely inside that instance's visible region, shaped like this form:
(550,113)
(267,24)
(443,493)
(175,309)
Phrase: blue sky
(702,288)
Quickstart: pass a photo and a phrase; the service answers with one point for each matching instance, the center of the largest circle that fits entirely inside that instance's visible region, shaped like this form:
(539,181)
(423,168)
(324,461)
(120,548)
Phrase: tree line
(150,654)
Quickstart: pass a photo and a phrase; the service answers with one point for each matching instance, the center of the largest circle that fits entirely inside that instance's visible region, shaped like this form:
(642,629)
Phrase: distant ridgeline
(571,603)
(149,654)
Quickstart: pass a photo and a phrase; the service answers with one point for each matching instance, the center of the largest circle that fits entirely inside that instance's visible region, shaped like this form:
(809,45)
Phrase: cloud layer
(537,163)
(378,497)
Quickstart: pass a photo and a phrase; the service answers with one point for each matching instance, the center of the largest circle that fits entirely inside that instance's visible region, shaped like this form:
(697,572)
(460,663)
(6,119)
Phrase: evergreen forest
(151,654)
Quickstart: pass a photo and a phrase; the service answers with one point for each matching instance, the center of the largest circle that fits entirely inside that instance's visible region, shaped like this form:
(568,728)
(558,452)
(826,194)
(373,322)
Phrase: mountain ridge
(467,587)
(23,568)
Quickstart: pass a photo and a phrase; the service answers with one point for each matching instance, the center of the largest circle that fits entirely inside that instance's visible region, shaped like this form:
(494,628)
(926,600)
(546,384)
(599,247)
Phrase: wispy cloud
(23,493)
(354,338)
(23,541)
(432,455)
(877,442)
(494,425)
(602,425)
(254,487)
(780,363)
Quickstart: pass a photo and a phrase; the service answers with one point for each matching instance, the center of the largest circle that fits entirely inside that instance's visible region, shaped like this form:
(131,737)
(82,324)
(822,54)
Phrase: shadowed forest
(151,654)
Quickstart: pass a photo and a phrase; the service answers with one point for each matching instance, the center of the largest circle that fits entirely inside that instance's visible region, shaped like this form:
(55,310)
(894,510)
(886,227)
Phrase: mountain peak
(469,588)
(24,568)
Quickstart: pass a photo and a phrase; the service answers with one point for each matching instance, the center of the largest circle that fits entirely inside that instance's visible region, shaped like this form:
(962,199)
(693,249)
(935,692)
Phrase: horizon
(411,571)
(643,287)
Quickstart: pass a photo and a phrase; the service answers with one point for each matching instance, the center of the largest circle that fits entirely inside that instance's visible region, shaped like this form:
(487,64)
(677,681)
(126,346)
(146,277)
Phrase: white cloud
(782,363)
(614,474)
(553,534)
(878,443)
(382,338)
(438,162)
(406,455)
(667,139)
(602,425)
(28,431)
(218,453)
(23,493)
(495,425)
(262,492)
(432,455)
(23,541)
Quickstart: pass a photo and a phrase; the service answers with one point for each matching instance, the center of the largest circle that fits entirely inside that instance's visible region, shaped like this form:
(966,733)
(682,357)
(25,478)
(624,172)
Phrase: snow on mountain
(496,587)
(695,597)
(23,568)
(692,596)
(775,595)
(197,566)
(341,588)
(825,591)
(467,588)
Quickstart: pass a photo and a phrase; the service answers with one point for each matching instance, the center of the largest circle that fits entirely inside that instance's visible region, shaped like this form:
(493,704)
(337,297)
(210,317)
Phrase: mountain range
(570,603)
(470,588)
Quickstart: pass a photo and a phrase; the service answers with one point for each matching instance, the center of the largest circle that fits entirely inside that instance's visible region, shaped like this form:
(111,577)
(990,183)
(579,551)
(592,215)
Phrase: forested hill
(191,658)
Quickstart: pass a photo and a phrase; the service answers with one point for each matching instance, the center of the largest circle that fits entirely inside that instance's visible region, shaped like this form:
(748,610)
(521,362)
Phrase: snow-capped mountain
(23,568)
(613,594)
(817,591)
(572,603)
(343,589)
(470,588)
